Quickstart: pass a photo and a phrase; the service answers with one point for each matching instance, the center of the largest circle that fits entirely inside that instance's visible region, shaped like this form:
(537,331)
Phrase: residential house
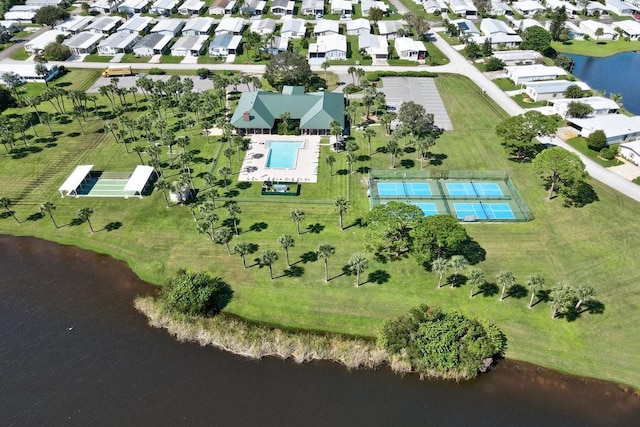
(37,44)
(527,8)
(358,26)
(312,7)
(105,6)
(10,26)
(330,47)
(629,29)
(376,46)
(230,25)
(258,112)
(200,26)
(83,43)
(131,7)
(630,151)
(137,24)
(499,33)
(223,7)
(523,24)
(191,7)
(325,27)
(152,44)
(499,8)
(591,29)
(367,5)
(463,9)
(253,7)
(263,26)
(43,3)
(293,28)
(282,7)
(435,6)
(466,27)
(620,7)
(120,42)
(572,10)
(551,89)
(74,24)
(390,29)
(530,73)
(104,25)
(519,57)
(597,9)
(341,7)
(411,49)
(277,44)
(164,7)
(168,27)
(189,46)
(617,127)
(601,106)
(224,45)
(575,32)
(20,13)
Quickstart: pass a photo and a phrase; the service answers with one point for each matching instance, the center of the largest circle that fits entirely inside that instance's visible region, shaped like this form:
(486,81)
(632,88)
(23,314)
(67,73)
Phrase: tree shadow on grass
(307,257)
(35,216)
(356,223)
(342,172)
(231,193)
(580,195)
(363,169)
(113,226)
(517,291)
(22,152)
(336,276)
(294,271)
(473,252)
(407,163)
(5,215)
(437,159)
(75,222)
(244,185)
(488,290)
(315,228)
(456,281)
(378,277)
(541,296)
(258,226)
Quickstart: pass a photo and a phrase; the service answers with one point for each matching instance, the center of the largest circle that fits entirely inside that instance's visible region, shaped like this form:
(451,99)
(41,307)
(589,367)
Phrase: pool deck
(306,170)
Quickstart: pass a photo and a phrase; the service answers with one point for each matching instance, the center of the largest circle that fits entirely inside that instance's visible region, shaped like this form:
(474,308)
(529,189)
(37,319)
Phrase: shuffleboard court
(483,210)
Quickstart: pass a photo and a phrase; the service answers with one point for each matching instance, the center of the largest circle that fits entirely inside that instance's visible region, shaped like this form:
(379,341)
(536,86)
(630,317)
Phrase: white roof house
(527,8)
(617,127)
(105,6)
(523,24)
(282,7)
(224,45)
(189,46)
(294,28)
(199,26)
(277,44)
(569,7)
(499,8)
(10,26)
(499,33)
(333,46)
(37,44)
(19,15)
(83,43)
(389,29)
(466,27)
(376,46)
(253,7)
(367,5)
(263,26)
(325,27)
(341,7)
(434,6)
(629,29)
(358,26)
(575,32)
(136,24)
(408,48)
(120,42)
(529,73)
(43,3)
(620,7)
(551,89)
(591,28)
(230,25)
(594,6)
(191,7)
(630,151)
(222,7)
(133,6)
(105,25)
(168,26)
(164,7)
(312,7)
(463,9)
(518,57)
(74,24)
(152,44)
(600,105)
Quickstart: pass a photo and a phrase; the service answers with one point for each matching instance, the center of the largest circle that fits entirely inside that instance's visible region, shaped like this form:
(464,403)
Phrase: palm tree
(330,160)
(369,133)
(457,263)
(422,146)
(6,203)
(440,266)
(223,236)
(286,241)
(243,249)
(352,70)
(163,185)
(584,294)
(535,282)
(234,210)
(84,214)
(225,172)
(325,251)
(476,279)
(561,299)
(228,153)
(268,258)
(297,215)
(285,116)
(342,205)
(394,150)
(351,158)
(506,279)
(357,264)
(139,149)
(335,129)
(48,208)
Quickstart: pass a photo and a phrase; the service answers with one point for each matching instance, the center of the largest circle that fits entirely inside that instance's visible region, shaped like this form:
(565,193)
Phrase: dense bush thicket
(196,294)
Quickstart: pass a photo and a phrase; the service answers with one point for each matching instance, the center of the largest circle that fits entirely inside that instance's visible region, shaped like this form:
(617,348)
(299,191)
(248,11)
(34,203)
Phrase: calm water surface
(614,74)
(112,369)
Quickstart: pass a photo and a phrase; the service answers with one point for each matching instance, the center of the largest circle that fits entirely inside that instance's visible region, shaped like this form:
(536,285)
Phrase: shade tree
(437,236)
(518,133)
(558,169)
(195,294)
(388,227)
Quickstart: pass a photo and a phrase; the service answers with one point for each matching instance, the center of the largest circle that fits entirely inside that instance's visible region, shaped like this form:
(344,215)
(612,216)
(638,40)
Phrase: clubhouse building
(259,112)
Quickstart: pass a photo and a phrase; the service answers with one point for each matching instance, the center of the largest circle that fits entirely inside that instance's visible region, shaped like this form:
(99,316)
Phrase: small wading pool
(282,154)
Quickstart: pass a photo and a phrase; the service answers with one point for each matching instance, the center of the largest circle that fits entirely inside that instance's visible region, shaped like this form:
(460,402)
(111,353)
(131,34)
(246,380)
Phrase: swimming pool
(282,154)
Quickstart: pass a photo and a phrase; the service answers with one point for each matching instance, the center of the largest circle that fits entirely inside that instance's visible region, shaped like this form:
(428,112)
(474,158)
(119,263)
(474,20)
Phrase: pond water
(614,74)
(73,350)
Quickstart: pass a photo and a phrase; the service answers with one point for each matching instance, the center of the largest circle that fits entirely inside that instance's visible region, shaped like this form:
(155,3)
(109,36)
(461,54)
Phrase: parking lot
(421,90)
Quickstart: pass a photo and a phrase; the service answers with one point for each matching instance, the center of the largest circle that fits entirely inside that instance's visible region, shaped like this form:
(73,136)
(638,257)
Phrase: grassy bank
(596,48)
(594,245)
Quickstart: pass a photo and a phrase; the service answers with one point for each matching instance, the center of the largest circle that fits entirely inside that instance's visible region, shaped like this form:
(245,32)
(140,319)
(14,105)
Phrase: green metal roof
(315,110)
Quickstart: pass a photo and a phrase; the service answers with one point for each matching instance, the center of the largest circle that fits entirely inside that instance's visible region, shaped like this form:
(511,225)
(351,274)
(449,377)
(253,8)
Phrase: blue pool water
(282,154)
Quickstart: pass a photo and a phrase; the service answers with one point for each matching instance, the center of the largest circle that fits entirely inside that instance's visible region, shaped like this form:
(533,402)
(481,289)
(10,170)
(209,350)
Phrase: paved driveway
(421,90)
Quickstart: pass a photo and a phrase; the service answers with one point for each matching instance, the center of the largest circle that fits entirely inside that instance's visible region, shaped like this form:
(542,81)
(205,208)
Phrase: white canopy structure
(77,177)
(138,180)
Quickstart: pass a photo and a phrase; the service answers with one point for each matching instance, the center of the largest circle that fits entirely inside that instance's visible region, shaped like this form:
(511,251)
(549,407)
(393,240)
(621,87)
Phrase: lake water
(73,350)
(614,74)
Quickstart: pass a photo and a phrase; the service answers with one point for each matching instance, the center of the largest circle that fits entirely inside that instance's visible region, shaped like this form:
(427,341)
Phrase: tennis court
(405,189)
(429,209)
(480,210)
(474,189)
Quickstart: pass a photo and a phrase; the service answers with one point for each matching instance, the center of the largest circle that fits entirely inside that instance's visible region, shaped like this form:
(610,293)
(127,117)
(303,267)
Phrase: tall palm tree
(163,185)
(228,152)
(243,249)
(225,172)
(297,215)
(330,160)
(285,116)
(457,263)
(440,266)
(6,203)
(269,258)
(139,149)
(335,129)
(351,158)
(324,251)
(584,294)
(234,210)
(476,279)
(84,214)
(357,264)
(352,70)
(561,299)
(286,241)
(325,65)
(506,279)
(422,146)
(394,150)
(342,205)
(535,282)
(369,133)
(223,236)
(48,208)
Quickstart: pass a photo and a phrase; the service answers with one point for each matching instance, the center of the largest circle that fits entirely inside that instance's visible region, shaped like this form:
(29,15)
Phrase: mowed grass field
(592,245)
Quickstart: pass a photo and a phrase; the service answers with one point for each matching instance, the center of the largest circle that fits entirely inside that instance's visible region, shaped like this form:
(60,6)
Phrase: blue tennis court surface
(476,189)
(391,189)
(428,208)
(484,210)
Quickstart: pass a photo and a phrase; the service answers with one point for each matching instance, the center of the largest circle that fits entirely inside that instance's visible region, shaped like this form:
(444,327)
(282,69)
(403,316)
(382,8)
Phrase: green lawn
(580,144)
(594,245)
(596,48)
(132,58)
(520,99)
(436,57)
(20,55)
(169,59)
(94,57)
(505,84)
